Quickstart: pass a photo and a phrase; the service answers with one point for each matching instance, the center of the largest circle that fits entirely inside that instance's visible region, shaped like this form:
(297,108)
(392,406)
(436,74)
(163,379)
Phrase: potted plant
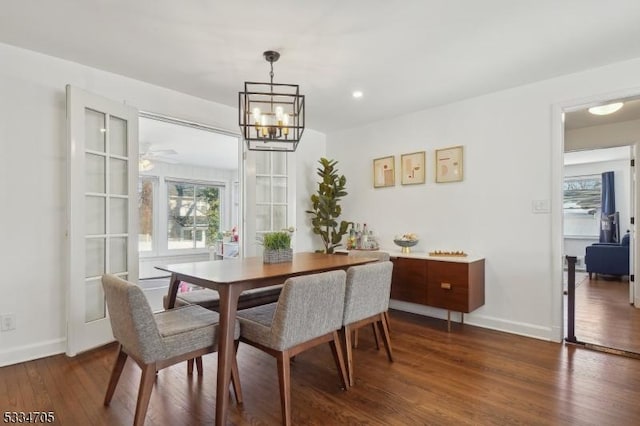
(277,247)
(326,207)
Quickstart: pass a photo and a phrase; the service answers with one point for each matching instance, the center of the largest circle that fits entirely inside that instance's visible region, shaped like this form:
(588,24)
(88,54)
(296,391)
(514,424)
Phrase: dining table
(230,278)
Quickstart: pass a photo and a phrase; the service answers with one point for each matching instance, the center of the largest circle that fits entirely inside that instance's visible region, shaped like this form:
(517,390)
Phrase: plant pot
(277,256)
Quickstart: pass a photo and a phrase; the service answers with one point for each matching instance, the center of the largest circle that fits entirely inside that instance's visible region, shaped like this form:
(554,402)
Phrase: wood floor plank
(604,315)
(471,376)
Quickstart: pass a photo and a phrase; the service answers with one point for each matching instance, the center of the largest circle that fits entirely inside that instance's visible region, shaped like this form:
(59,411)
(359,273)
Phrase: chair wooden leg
(190,367)
(376,335)
(199,366)
(284,378)
(118,365)
(385,335)
(355,339)
(235,380)
(386,318)
(336,348)
(144,393)
(349,351)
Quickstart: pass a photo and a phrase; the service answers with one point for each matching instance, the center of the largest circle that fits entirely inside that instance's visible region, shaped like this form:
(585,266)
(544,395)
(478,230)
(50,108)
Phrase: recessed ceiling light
(357,94)
(606,109)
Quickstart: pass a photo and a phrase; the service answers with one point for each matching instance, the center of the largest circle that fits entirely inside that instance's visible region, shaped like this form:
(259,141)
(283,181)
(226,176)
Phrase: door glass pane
(279,217)
(94,300)
(94,130)
(263,218)
(119,177)
(263,189)
(95,218)
(117,255)
(279,163)
(94,257)
(118,210)
(94,173)
(117,136)
(279,190)
(262,163)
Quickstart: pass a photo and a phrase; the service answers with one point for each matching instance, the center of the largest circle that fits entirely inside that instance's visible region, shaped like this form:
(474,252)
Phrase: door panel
(101,177)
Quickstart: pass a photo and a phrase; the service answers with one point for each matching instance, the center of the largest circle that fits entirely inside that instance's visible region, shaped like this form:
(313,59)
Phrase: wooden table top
(253,268)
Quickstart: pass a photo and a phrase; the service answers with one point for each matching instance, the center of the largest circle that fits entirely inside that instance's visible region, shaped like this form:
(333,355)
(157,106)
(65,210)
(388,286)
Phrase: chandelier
(271,115)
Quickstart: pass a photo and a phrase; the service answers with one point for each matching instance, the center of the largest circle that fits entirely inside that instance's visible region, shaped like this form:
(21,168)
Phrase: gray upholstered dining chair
(308,313)
(368,288)
(157,341)
(210,299)
(382,256)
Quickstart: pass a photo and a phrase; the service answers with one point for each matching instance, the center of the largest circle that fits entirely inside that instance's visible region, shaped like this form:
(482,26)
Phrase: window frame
(224,212)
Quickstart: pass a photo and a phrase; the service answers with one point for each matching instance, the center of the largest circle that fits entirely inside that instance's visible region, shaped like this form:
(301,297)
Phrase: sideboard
(446,282)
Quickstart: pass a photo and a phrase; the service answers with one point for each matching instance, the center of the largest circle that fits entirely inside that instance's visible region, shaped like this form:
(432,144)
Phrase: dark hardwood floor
(471,376)
(604,316)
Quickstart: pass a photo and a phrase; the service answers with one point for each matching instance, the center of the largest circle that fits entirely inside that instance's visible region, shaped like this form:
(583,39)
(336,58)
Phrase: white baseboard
(498,324)
(33,351)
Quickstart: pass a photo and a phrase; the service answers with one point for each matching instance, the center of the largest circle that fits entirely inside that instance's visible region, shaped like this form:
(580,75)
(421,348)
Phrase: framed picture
(449,164)
(413,168)
(384,173)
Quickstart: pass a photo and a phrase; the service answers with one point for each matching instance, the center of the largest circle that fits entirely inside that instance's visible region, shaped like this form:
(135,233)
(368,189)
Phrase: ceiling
(583,118)
(405,56)
(173,143)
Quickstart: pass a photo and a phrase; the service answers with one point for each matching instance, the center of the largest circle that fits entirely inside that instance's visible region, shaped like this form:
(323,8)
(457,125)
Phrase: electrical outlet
(8,322)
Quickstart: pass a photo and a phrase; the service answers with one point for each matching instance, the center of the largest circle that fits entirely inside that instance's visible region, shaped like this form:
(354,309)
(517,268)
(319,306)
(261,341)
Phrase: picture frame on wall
(413,168)
(449,164)
(384,172)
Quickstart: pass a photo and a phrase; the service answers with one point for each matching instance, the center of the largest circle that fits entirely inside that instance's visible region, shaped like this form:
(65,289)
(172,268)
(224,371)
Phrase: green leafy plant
(276,240)
(326,208)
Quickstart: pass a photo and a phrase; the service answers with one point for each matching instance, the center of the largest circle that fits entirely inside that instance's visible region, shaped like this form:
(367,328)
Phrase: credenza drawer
(449,295)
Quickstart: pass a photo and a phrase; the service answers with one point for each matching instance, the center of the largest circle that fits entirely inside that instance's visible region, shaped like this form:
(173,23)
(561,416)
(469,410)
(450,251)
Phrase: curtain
(608,205)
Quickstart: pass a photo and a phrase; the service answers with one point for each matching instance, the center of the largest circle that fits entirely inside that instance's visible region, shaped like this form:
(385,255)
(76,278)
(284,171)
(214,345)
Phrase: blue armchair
(608,258)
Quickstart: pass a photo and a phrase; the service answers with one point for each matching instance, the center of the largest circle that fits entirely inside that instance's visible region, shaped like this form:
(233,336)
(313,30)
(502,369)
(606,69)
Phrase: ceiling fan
(148,156)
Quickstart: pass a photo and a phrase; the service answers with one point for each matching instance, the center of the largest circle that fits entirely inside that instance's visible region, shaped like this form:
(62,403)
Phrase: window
(271,191)
(193,214)
(146,189)
(581,205)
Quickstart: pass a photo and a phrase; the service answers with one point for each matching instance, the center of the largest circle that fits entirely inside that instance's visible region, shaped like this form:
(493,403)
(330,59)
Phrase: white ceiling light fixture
(606,109)
(144,165)
(271,115)
(357,94)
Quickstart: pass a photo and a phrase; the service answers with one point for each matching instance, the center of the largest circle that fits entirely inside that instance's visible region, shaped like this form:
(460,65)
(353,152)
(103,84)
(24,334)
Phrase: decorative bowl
(406,244)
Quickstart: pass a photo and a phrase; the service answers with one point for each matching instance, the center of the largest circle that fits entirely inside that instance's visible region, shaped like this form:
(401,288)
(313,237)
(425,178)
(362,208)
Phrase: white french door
(102,210)
(270,189)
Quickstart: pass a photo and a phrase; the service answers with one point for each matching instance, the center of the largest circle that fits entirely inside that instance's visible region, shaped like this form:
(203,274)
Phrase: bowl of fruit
(406,241)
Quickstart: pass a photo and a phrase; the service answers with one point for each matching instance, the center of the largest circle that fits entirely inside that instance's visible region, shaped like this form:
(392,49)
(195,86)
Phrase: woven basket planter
(277,256)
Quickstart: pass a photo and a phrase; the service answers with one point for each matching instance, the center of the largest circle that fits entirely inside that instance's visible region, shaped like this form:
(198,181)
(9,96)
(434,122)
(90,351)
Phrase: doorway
(594,144)
(189,197)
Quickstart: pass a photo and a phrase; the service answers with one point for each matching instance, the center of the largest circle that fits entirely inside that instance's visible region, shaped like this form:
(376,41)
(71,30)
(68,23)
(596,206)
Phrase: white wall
(508,157)
(609,135)
(32,172)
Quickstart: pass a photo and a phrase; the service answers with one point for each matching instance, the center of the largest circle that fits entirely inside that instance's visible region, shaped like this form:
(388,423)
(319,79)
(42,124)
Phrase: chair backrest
(132,321)
(309,306)
(380,255)
(367,291)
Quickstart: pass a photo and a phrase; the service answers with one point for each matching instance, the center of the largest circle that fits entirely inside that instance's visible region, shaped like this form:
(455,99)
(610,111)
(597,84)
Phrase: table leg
(226,350)
(173,291)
